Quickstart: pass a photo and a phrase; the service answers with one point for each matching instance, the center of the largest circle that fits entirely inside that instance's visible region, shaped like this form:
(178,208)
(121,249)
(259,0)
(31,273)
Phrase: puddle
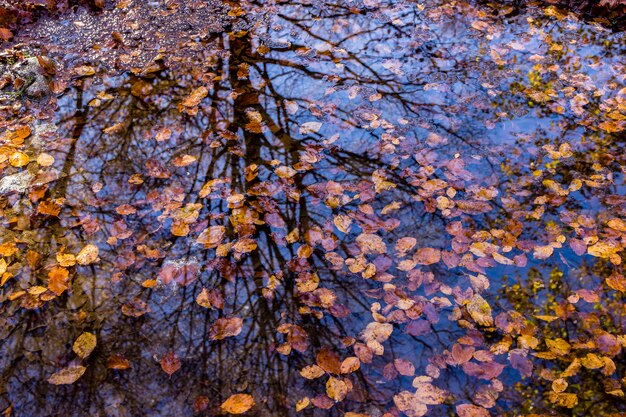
(330,208)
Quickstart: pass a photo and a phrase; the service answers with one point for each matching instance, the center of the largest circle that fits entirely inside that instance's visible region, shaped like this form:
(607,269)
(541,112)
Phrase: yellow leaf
(312,372)
(18,159)
(350,364)
(592,361)
(564,399)
(302,404)
(85,344)
(480,310)
(342,222)
(87,255)
(602,250)
(336,389)
(238,403)
(559,385)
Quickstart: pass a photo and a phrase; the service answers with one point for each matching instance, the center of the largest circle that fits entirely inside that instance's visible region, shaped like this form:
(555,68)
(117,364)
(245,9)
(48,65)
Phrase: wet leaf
(371,243)
(336,389)
(303,403)
(312,372)
(45,160)
(84,71)
(87,255)
(480,310)
(427,256)
(117,362)
(310,127)
(67,375)
(238,403)
(84,345)
(19,159)
(195,97)
(170,363)
(58,279)
(350,364)
(469,410)
(225,327)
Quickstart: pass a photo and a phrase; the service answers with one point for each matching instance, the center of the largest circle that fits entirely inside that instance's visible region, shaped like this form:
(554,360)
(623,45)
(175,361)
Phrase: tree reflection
(320,119)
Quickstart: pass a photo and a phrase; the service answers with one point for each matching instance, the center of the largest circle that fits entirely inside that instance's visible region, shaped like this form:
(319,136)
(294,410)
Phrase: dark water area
(329,208)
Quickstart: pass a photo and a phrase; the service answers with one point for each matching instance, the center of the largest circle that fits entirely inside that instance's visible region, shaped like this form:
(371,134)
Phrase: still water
(377,208)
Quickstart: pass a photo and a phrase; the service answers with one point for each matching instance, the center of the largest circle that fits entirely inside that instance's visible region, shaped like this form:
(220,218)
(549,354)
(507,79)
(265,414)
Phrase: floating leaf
(350,364)
(312,372)
(336,389)
(87,255)
(84,344)
(238,403)
(45,160)
(67,375)
(469,410)
(170,363)
(480,310)
(195,97)
(225,327)
(427,256)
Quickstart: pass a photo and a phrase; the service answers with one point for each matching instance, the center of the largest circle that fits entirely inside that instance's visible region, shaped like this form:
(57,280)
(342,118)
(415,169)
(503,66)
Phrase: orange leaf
(238,403)
(170,363)
(226,327)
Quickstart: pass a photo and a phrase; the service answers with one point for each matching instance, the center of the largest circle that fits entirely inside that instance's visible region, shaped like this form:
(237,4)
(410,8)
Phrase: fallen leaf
(170,363)
(87,255)
(117,362)
(336,389)
(67,375)
(238,403)
(480,310)
(84,344)
(225,327)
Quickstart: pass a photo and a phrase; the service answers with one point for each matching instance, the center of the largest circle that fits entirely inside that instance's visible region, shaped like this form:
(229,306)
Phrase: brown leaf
(212,236)
(378,332)
(371,243)
(170,363)
(226,327)
(117,362)
(406,401)
(238,403)
(404,367)
(342,222)
(49,207)
(427,256)
(329,361)
(195,97)
(67,375)
(469,410)
(84,71)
